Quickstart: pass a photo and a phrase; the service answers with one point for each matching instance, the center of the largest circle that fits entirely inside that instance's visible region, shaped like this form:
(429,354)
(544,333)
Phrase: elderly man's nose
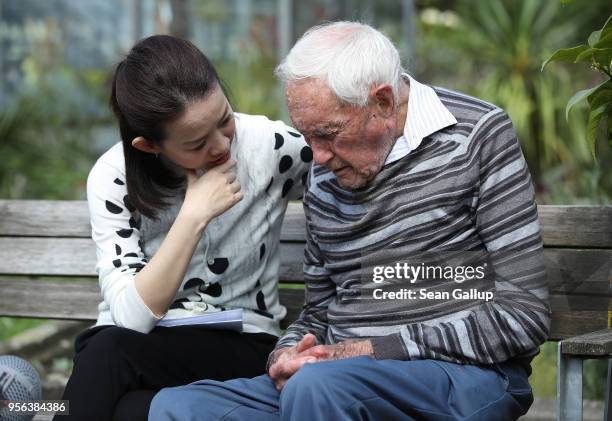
(321,155)
(321,152)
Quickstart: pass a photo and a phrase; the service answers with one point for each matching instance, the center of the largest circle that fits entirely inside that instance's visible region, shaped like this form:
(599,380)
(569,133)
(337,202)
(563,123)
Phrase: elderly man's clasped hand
(287,361)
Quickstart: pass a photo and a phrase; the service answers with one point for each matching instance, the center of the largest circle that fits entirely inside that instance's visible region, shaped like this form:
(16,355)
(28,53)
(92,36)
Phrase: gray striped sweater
(466,188)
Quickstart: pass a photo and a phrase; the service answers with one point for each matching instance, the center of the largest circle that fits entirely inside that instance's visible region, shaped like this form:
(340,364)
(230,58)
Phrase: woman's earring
(156,155)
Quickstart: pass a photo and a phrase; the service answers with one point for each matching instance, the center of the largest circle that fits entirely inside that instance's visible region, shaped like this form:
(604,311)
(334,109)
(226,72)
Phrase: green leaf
(601,56)
(566,54)
(586,55)
(596,116)
(607,28)
(602,96)
(605,41)
(581,95)
(594,37)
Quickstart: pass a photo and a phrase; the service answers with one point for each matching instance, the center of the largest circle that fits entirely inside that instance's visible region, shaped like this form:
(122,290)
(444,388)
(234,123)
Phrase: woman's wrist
(197,223)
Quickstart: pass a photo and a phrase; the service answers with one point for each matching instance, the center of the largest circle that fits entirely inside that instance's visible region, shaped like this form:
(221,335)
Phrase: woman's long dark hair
(151,87)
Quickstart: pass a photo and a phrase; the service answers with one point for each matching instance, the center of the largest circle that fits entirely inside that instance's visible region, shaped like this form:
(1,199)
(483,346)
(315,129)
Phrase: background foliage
(54,127)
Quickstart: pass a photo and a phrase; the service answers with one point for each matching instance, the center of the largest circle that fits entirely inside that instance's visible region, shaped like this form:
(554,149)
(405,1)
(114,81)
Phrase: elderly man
(401,170)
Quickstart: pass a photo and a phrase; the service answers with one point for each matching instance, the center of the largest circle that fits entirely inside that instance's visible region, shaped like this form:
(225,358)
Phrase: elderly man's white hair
(350,57)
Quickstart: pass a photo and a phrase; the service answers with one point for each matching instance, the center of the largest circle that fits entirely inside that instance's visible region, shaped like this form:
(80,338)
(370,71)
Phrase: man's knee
(168,404)
(318,381)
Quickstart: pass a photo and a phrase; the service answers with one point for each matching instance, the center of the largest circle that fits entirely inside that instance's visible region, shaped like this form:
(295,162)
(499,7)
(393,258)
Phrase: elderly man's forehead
(310,91)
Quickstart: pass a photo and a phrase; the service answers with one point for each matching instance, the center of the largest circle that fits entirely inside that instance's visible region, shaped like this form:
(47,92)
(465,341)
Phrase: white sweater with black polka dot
(236,262)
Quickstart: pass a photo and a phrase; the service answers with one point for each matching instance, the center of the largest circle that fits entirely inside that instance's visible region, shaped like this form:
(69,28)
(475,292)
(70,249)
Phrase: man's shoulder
(472,114)
(464,106)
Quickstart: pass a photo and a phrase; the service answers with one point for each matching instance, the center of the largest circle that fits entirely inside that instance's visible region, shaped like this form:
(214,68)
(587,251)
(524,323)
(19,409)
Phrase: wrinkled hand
(213,193)
(287,361)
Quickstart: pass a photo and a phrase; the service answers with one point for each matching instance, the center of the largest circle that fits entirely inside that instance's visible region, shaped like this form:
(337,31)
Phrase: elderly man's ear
(381,97)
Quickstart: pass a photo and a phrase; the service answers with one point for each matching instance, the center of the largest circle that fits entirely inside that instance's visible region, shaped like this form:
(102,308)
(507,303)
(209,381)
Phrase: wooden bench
(47,262)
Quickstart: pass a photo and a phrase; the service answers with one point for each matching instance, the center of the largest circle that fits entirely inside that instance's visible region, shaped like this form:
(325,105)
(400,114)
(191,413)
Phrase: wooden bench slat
(570,271)
(576,315)
(32,256)
(78,300)
(594,344)
(562,226)
(44,218)
(47,256)
(72,300)
(576,226)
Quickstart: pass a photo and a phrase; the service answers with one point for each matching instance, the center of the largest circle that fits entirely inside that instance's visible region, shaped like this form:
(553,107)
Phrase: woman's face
(200,139)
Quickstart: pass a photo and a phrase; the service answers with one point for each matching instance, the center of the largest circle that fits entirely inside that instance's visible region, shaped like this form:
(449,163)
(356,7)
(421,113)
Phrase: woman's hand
(211,194)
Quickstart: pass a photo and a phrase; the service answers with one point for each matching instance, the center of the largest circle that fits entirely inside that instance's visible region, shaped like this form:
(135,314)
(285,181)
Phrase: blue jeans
(358,388)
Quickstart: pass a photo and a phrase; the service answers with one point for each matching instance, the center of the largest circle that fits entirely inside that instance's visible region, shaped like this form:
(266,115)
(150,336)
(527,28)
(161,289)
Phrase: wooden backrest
(49,239)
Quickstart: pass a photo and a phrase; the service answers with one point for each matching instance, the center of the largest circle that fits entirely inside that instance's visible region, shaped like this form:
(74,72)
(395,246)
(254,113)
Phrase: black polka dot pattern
(112,208)
(119,182)
(128,204)
(294,134)
(285,163)
(117,249)
(219,265)
(287,186)
(306,154)
(193,283)
(131,255)
(269,184)
(279,140)
(117,263)
(262,251)
(261,303)
(136,265)
(214,290)
(125,233)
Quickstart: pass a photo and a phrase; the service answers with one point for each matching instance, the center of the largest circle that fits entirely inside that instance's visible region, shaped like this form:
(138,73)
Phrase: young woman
(186,215)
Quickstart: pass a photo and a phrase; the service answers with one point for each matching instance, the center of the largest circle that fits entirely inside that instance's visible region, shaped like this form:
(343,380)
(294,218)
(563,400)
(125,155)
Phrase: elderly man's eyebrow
(327,129)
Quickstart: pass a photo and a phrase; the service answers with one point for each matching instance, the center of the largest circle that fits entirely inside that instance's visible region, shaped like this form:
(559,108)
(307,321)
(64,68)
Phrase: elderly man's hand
(287,361)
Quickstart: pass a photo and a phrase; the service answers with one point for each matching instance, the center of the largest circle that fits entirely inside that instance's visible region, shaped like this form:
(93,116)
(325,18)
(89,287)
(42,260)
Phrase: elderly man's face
(352,142)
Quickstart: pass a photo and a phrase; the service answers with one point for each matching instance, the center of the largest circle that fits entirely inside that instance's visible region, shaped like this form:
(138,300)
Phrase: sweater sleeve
(116,233)
(516,321)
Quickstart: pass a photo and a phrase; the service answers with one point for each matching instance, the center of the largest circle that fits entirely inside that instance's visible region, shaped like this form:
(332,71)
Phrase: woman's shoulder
(252,123)
(264,130)
(110,163)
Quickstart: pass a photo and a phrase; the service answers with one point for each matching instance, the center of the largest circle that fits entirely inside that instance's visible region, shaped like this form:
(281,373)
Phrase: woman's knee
(112,344)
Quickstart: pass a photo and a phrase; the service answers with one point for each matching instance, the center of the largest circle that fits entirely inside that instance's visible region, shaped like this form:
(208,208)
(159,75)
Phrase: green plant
(494,51)
(597,52)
